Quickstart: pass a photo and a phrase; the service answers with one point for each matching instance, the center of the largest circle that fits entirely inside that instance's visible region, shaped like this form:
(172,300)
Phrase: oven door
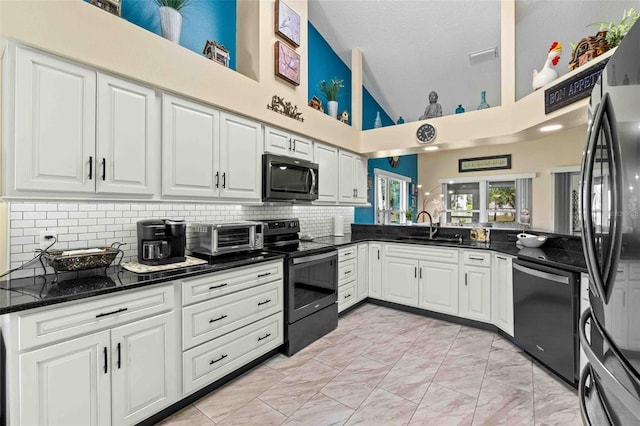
(286,178)
(312,284)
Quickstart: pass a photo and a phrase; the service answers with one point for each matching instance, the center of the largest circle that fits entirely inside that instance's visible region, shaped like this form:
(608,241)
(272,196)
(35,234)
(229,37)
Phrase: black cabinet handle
(119,356)
(289,144)
(347,296)
(347,272)
(475,258)
(104,168)
(356,192)
(217,286)
(264,275)
(90,167)
(111,313)
(105,360)
(224,179)
(420,273)
(465,278)
(265,302)
(501,258)
(217,179)
(348,253)
(378,254)
(217,319)
(264,337)
(219,359)
(415,272)
(294,144)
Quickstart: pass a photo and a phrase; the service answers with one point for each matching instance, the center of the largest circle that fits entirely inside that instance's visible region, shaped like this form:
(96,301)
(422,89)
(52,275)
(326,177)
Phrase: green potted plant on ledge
(331,90)
(170,18)
(409,215)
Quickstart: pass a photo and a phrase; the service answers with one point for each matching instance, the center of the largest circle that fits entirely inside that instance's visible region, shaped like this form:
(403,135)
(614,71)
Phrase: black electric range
(311,283)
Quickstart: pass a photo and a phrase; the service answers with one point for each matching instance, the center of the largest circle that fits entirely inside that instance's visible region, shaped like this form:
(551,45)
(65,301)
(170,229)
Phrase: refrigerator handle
(584,391)
(588,241)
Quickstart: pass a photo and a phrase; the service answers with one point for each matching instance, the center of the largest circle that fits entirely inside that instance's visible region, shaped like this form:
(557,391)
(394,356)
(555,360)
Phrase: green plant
(616,32)
(174,4)
(409,214)
(331,90)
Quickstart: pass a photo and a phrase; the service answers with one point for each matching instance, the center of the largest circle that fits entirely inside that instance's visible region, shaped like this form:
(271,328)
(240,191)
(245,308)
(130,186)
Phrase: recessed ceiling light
(431,148)
(551,128)
(426,193)
(419,186)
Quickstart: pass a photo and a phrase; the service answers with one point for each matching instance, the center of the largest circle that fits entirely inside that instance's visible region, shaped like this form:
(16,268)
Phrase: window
(392,198)
(498,200)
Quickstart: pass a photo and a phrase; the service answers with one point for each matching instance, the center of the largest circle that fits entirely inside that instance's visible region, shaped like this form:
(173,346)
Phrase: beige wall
(534,156)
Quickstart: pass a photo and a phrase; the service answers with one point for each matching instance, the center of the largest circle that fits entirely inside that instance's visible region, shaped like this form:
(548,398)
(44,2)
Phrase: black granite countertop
(550,254)
(28,293)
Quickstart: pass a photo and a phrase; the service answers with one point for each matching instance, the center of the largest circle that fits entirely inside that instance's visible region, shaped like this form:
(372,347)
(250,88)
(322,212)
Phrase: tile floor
(386,367)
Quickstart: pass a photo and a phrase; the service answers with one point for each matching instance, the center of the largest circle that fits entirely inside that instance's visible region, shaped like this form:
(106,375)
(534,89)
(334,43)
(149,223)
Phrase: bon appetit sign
(572,89)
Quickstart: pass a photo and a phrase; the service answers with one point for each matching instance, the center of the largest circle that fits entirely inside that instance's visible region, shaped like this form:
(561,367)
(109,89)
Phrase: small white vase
(170,23)
(332,108)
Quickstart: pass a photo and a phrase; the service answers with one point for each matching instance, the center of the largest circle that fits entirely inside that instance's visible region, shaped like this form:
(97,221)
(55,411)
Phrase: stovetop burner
(298,247)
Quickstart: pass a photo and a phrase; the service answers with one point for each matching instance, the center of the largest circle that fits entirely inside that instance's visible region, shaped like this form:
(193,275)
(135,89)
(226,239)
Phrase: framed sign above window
(494,162)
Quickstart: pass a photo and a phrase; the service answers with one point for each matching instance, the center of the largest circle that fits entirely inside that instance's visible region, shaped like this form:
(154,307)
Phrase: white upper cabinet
(128,146)
(281,142)
(240,158)
(78,131)
(190,148)
(353,178)
(327,158)
(55,112)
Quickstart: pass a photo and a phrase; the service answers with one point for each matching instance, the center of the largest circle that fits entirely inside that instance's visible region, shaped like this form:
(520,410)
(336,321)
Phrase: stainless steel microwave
(220,238)
(288,179)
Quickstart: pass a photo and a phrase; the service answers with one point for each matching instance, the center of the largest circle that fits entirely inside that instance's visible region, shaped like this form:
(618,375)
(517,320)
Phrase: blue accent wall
(370,107)
(202,20)
(408,167)
(325,64)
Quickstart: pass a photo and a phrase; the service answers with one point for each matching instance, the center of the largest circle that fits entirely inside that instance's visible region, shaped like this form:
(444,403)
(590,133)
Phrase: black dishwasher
(545,314)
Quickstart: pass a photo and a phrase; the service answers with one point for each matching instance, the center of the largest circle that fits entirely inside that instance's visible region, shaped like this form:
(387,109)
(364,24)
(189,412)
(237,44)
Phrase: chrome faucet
(432,232)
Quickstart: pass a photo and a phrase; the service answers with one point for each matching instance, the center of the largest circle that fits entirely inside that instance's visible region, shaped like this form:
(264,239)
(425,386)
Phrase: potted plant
(170,18)
(331,91)
(616,32)
(409,215)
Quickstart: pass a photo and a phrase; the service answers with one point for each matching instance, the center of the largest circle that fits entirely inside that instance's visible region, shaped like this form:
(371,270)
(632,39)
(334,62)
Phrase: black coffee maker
(161,241)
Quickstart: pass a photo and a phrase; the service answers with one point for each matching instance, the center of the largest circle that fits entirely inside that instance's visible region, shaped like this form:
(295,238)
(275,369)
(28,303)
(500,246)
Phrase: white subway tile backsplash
(91,224)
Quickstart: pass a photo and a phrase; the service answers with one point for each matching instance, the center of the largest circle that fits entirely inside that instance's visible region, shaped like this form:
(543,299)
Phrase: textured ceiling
(411,47)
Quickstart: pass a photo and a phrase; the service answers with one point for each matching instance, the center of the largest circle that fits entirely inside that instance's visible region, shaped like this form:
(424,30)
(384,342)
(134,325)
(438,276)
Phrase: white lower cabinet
(375,270)
(502,292)
(363,271)
(116,376)
(400,280)
(475,293)
(439,287)
(347,277)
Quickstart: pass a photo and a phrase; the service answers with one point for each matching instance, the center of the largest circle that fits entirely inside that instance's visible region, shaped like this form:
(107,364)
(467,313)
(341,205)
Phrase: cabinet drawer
(476,258)
(347,271)
(50,325)
(213,318)
(347,253)
(206,363)
(221,283)
(430,253)
(347,296)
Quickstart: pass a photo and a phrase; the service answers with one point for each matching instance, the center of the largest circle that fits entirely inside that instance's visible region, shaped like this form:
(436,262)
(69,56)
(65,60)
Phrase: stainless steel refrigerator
(609,389)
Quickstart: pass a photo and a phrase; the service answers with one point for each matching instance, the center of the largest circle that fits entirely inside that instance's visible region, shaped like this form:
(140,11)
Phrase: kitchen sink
(436,239)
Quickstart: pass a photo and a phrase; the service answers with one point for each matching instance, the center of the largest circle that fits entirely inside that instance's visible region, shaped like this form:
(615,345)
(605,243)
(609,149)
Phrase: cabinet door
(301,148)
(327,158)
(240,158)
(55,129)
(502,293)
(190,147)
(632,311)
(144,357)
(400,280)
(360,179)
(346,182)
(375,270)
(67,384)
(475,296)
(439,287)
(363,271)
(128,148)
(277,141)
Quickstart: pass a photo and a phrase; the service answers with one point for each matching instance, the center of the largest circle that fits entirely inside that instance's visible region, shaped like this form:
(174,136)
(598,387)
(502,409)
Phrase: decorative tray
(78,260)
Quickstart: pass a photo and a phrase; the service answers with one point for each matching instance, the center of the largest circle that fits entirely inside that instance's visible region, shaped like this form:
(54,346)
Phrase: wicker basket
(60,261)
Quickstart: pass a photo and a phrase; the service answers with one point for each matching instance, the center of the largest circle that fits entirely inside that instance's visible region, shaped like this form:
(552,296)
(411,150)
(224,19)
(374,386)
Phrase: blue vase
(378,122)
(483,101)
(400,120)
(459,110)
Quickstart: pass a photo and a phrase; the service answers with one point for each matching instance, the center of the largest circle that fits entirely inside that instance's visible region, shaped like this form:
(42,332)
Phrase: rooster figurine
(548,74)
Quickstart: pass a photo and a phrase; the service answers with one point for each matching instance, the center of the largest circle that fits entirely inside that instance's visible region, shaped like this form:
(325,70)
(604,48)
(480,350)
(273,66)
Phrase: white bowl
(529,240)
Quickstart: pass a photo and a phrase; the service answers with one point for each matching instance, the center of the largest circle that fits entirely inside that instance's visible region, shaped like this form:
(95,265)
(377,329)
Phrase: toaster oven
(221,238)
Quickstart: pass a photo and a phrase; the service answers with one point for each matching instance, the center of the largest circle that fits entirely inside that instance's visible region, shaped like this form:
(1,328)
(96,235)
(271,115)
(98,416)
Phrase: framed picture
(287,63)
(494,162)
(287,23)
